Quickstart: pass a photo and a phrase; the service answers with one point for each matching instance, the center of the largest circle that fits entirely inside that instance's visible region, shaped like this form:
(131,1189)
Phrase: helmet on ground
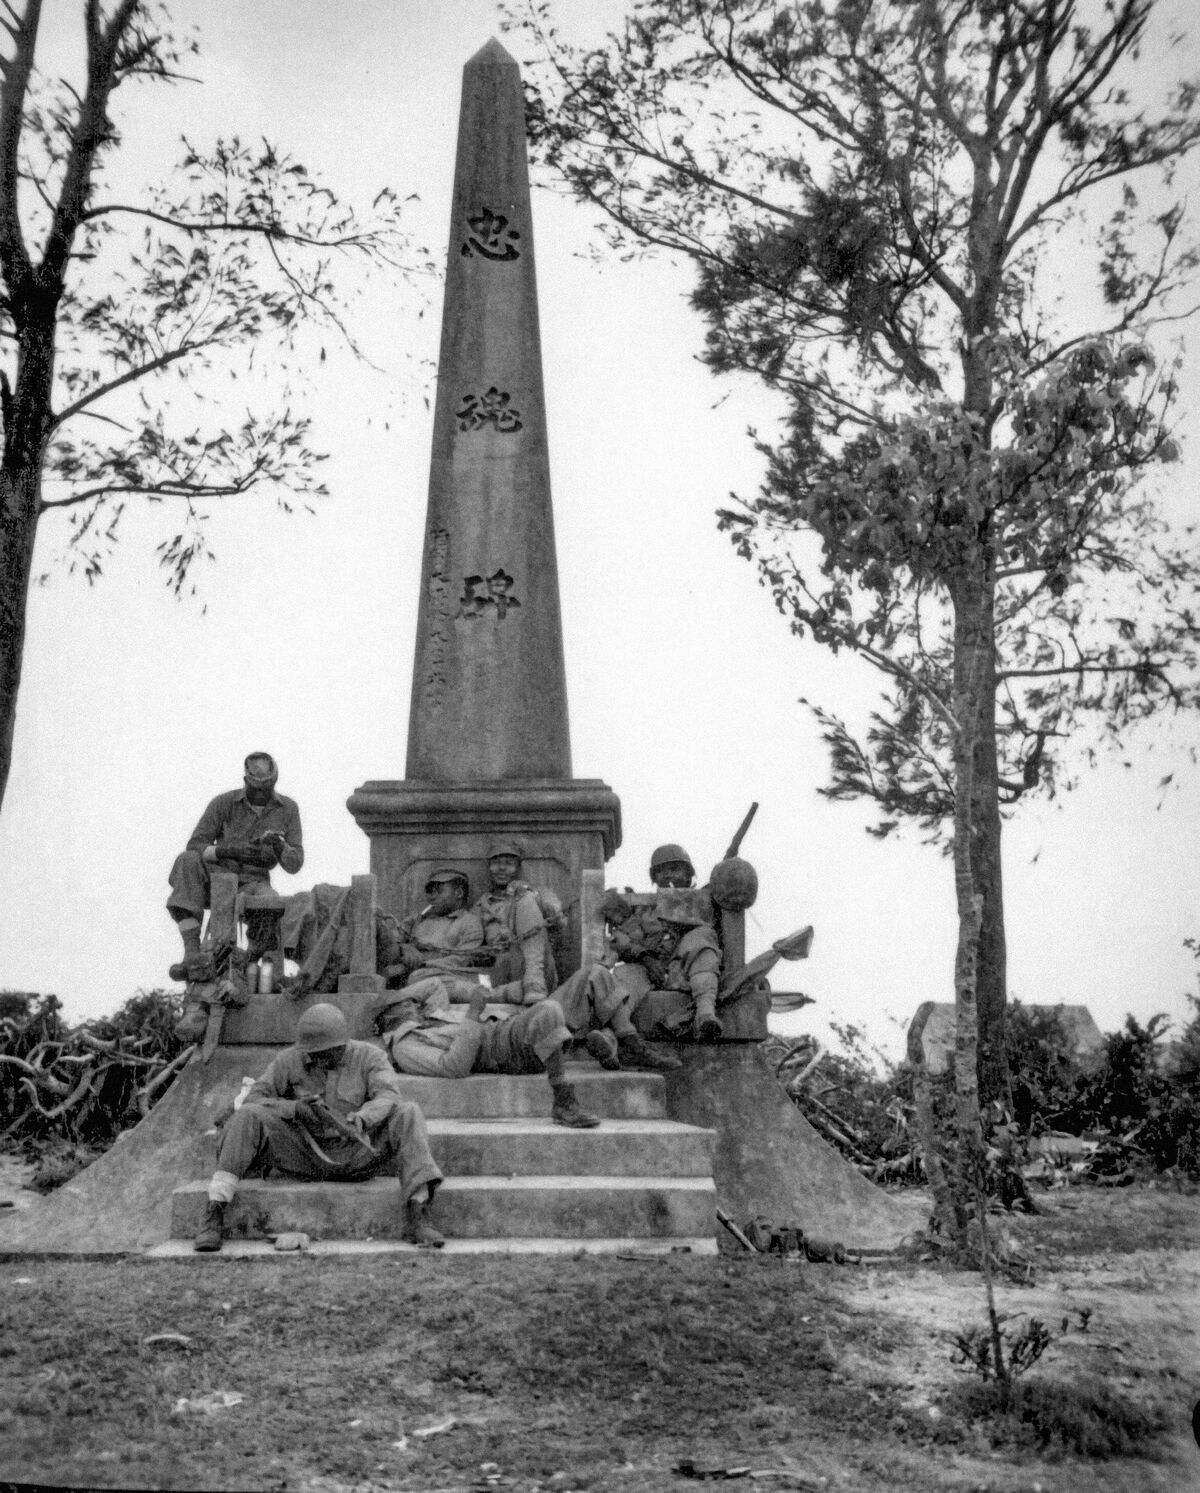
(667,853)
(733,884)
(445,873)
(504,847)
(321,1027)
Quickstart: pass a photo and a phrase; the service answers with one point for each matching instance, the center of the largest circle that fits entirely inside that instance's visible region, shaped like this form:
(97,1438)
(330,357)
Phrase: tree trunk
(18,529)
(973,644)
(27,415)
(992,972)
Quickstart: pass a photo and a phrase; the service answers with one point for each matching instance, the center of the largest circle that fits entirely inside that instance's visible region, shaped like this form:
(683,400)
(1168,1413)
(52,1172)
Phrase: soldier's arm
(210,824)
(382,1087)
(291,856)
(273,1088)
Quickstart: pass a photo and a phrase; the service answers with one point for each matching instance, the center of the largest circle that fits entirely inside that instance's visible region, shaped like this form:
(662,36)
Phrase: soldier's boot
(602,1045)
(197,969)
(707,1026)
(417,1228)
(212,1230)
(566,1110)
(635,1053)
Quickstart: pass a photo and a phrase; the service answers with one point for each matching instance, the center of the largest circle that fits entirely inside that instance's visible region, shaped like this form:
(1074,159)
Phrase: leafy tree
(869,193)
(111,307)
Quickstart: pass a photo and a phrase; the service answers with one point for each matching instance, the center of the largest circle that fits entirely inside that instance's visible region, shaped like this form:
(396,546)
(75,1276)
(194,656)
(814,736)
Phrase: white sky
(683,681)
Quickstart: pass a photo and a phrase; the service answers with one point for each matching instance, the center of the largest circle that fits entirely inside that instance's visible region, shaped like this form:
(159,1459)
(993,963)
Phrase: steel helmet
(321,1027)
(666,853)
(733,884)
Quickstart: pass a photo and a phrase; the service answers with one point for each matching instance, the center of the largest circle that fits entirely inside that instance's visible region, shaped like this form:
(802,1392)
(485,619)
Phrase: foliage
(66,1093)
(1082,1416)
(122,312)
(871,195)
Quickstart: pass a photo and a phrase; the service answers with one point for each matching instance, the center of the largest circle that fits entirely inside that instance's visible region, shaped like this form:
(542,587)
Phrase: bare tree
(110,308)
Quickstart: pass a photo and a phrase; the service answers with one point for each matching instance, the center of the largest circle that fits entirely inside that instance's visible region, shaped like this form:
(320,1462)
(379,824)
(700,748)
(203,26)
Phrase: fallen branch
(145,1094)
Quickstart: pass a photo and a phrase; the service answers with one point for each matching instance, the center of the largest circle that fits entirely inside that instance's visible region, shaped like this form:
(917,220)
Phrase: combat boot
(212,1230)
(566,1110)
(635,1053)
(417,1228)
(196,969)
(602,1045)
(707,1025)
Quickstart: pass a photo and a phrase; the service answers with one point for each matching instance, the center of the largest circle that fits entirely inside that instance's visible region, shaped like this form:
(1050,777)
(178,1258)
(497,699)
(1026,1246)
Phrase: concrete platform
(481,1207)
(324,1249)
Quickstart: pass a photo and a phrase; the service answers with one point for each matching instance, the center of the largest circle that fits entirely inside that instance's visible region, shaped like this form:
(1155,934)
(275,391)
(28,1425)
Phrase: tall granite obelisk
(488,738)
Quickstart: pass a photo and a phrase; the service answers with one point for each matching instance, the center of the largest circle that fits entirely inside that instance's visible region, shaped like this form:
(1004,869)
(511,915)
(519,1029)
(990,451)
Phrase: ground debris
(207,1404)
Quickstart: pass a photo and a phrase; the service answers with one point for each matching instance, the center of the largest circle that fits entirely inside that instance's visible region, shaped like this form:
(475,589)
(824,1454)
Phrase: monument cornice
(414,807)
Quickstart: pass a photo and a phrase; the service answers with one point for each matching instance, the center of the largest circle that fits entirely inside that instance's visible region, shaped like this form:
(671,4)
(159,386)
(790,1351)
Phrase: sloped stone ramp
(719,1131)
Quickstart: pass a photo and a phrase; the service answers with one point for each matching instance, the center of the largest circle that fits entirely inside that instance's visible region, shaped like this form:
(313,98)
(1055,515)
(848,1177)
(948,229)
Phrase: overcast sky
(683,681)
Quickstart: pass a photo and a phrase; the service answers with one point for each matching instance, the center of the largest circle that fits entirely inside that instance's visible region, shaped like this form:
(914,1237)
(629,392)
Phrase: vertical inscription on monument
(489,236)
(441,615)
(491,408)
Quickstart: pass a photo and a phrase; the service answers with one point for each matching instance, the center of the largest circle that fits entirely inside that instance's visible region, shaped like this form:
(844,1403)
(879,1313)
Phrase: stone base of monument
(770,1162)
(511,1174)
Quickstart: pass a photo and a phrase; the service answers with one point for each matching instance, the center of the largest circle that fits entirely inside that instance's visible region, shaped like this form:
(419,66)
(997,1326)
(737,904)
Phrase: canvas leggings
(258,1138)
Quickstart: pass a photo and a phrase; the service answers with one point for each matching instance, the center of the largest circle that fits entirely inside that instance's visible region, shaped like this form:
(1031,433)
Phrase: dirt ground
(421,1372)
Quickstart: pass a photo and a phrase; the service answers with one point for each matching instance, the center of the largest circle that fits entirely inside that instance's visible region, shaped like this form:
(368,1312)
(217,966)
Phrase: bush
(1082,1417)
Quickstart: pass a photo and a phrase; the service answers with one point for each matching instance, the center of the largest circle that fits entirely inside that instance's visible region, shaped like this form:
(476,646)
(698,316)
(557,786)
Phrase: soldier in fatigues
(248,830)
(428,1036)
(674,946)
(444,938)
(594,1006)
(302,1118)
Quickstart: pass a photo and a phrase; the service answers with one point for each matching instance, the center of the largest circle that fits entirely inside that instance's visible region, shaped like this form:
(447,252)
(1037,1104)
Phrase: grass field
(606,1373)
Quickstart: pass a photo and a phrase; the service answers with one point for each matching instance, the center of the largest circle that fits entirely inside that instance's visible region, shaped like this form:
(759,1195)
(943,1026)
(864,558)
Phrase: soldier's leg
(189,884)
(403,1143)
(254,1137)
(533,1041)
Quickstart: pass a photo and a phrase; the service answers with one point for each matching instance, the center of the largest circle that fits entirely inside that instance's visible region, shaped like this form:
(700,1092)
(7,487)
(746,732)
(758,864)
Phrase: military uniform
(264,1132)
(671,972)
(231,817)
(515,931)
(438,944)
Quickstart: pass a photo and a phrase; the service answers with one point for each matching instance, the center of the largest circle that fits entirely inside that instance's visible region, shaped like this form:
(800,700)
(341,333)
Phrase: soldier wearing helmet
(671,948)
(593,1005)
(444,937)
(327,1108)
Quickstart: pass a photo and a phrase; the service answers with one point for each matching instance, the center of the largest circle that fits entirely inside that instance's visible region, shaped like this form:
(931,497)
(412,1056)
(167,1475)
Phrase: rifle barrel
(736,843)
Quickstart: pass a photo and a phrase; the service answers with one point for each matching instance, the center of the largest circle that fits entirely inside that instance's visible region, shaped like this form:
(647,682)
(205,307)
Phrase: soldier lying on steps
(328,1107)
(429,1036)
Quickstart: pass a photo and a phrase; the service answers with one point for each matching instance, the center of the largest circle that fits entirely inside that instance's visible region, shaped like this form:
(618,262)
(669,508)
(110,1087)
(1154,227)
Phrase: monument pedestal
(564,827)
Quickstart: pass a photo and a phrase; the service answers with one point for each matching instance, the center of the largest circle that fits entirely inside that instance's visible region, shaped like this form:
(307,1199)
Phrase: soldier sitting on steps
(428,1036)
(327,1108)
(443,937)
(516,930)
(675,945)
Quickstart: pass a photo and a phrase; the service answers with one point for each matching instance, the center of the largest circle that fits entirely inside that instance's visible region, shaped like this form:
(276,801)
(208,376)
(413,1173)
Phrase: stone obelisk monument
(489,749)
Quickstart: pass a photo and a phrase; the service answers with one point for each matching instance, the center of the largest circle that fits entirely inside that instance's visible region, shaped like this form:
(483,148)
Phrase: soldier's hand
(356,1122)
(307,1114)
(209,855)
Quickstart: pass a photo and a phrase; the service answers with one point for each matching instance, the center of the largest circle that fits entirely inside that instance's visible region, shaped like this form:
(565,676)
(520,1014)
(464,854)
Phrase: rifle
(335,1122)
(736,843)
(314,966)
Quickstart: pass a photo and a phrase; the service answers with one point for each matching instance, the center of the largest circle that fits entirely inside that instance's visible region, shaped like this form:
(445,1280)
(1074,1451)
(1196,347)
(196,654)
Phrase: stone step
(539,1147)
(482,1207)
(626,1095)
(617,1148)
(264,1249)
